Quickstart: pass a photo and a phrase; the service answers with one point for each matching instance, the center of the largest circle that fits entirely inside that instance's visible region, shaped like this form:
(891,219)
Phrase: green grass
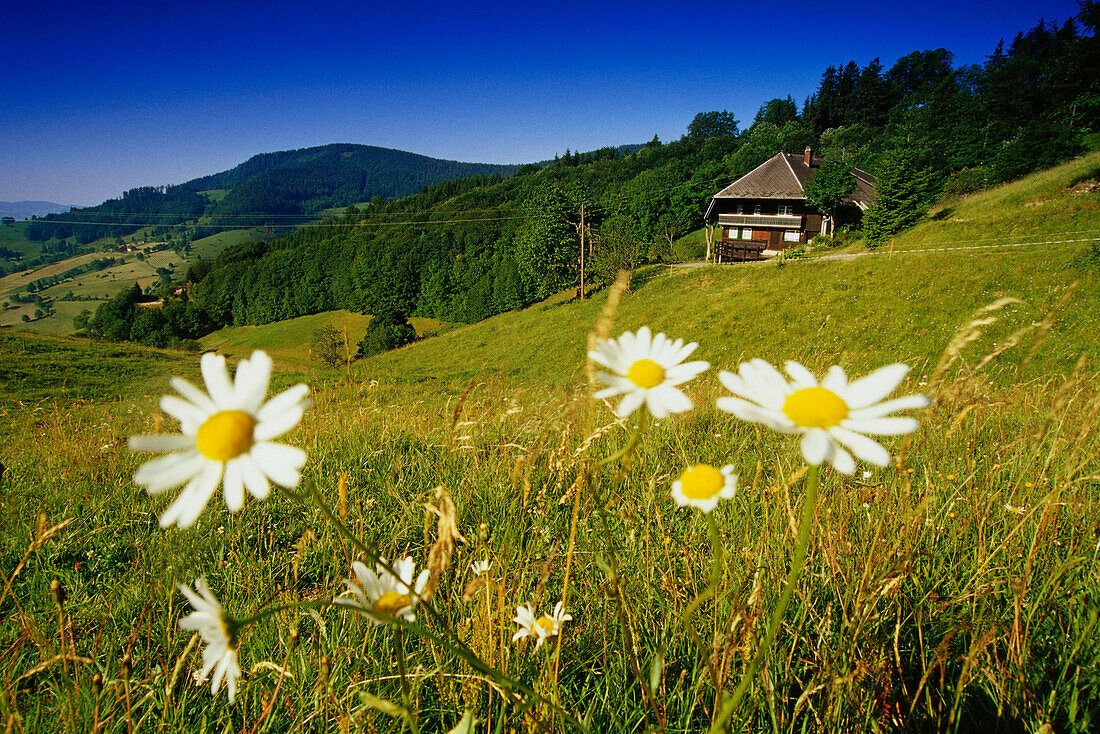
(289,341)
(14,238)
(215,195)
(929,603)
(208,248)
(37,367)
(1043,206)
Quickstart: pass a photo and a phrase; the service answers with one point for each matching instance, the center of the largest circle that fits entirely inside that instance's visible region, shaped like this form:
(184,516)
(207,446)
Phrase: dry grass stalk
(42,536)
(446,536)
(1057,409)
(457,413)
(966,334)
(606,321)
(1047,321)
(342,495)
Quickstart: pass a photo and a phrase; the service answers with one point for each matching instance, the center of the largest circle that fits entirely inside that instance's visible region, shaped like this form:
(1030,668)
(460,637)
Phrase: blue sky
(99,97)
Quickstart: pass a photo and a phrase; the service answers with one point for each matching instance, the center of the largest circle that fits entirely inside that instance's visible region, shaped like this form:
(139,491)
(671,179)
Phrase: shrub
(327,345)
(387,330)
(965,182)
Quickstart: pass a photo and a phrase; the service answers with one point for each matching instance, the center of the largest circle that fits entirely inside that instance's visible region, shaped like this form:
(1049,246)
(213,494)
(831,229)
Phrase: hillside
(1031,239)
(283,188)
(26,209)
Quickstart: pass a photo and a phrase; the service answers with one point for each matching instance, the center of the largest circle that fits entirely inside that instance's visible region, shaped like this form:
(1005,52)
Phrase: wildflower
(480,567)
(702,486)
(217,631)
(542,627)
(380,595)
(1016,509)
(830,415)
(646,370)
(224,435)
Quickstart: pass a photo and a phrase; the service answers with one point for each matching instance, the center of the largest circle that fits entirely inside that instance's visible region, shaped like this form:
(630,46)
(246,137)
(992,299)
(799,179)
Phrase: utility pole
(580,231)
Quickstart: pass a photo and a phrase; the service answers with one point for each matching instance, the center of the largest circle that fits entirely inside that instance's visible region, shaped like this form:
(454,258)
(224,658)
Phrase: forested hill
(467,249)
(271,188)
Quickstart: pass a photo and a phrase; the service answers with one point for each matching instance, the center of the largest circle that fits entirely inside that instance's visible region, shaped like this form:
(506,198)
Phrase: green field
(956,590)
(289,341)
(208,248)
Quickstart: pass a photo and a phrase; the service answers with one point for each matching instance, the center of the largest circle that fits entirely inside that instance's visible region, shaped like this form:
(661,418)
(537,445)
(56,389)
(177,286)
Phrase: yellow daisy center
(702,482)
(646,373)
(815,407)
(225,435)
(546,623)
(391,603)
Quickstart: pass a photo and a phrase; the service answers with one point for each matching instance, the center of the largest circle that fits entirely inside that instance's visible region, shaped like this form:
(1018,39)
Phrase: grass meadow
(957,590)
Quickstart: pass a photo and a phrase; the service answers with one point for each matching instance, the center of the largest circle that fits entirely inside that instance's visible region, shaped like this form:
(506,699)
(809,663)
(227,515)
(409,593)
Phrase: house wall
(811,220)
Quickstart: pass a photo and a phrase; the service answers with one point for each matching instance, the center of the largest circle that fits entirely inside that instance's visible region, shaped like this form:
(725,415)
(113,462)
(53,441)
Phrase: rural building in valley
(766,211)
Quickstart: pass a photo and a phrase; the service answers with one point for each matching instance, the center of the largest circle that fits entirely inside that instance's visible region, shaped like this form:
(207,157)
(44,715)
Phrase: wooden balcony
(775,221)
(733,251)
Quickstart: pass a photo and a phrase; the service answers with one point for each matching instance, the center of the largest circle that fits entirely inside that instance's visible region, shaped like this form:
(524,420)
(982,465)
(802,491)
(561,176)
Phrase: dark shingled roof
(783,176)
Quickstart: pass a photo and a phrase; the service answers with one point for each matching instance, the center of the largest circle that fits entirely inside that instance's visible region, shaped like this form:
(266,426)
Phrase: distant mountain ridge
(269,188)
(25,209)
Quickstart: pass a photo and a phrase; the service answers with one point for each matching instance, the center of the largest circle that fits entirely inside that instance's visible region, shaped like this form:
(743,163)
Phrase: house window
(791,235)
(756,209)
(746,234)
(786,209)
(740,208)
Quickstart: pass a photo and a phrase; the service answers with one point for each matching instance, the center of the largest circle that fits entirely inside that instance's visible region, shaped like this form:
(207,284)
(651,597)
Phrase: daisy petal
(815,446)
(254,480)
(908,402)
(161,442)
(835,380)
(864,448)
(631,402)
(802,377)
(183,411)
(681,373)
(279,462)
(169,471)
(233,486)
(281,402)
(279,424)
(197,397)
(193,498)
(250,383)
(217,381)
(666,399)
(841,460)
(875,386)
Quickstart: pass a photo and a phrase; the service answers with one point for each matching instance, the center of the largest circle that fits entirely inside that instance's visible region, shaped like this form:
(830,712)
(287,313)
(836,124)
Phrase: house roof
(784,175)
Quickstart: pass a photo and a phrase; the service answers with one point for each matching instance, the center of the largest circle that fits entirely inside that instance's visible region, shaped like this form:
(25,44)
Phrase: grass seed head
(446,536)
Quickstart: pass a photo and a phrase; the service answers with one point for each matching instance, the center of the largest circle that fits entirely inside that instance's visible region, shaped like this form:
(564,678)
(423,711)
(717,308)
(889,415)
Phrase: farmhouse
(766,211)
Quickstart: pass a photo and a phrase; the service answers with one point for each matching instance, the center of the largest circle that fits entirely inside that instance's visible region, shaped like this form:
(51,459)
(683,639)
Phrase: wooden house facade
(766,211)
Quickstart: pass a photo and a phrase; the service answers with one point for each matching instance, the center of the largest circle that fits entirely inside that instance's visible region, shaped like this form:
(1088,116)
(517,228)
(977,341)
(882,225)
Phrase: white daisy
(830,416)
(480,567)
(541,628)
(217,631)
(226,433)
(381,593)
(702,486)
(646,370)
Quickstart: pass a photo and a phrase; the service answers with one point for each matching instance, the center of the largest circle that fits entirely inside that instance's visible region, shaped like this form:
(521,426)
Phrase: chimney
(808,157)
